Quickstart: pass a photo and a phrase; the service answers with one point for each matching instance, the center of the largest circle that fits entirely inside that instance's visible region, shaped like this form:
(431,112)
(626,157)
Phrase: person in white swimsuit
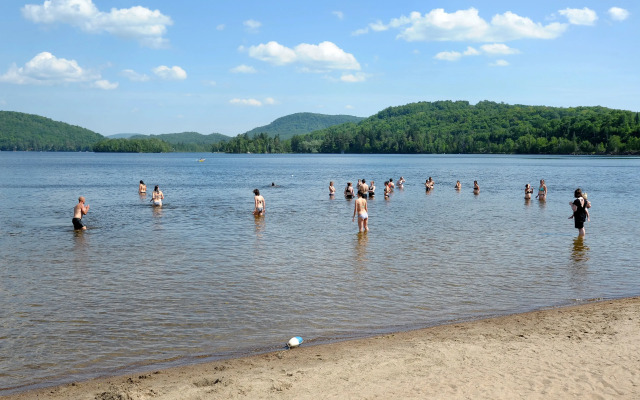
(157,196)
(360,209)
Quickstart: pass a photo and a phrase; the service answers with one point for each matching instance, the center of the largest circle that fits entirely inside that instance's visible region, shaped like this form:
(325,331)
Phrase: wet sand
(590,351)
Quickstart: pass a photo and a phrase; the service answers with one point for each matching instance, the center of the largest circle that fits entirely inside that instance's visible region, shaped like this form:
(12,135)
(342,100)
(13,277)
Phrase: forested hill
(28,132)
(188,141)
(487,127)
(301,123)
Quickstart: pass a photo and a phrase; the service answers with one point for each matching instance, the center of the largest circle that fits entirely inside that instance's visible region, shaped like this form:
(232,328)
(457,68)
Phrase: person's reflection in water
(580,253)
(361,248)
(80,248)
(579,268)
(259,225)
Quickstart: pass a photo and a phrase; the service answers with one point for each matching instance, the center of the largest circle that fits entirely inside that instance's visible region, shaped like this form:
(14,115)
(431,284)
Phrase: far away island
(440,127)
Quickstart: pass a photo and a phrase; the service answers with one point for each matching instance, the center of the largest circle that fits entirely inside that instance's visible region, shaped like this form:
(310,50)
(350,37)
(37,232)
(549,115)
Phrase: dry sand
(589,351)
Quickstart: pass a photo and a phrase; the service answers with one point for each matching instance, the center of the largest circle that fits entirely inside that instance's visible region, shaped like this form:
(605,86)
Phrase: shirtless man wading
(78,211)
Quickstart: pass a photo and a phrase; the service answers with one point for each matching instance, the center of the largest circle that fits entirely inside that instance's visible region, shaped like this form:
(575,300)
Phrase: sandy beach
(590,351)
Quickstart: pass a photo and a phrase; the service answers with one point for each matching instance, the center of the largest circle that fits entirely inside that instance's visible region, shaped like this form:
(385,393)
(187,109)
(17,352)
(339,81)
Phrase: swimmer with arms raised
(78,211)
(360,208)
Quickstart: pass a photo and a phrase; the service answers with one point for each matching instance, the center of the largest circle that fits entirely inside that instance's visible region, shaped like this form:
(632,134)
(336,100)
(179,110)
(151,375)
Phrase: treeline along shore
(417,128)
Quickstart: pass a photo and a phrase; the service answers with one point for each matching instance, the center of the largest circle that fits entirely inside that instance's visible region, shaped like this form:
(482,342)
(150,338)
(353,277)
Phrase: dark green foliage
(487,127)
(261,143)
(28,132)
(301,123)
(148,145)
(188,141)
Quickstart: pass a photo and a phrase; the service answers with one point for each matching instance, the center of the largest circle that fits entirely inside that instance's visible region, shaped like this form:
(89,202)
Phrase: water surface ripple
(202,278)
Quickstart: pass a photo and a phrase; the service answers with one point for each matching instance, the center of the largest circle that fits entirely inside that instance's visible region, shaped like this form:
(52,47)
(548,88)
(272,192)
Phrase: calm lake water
(201,278)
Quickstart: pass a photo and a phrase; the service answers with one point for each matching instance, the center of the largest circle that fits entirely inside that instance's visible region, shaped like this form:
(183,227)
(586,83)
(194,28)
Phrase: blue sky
(156,66)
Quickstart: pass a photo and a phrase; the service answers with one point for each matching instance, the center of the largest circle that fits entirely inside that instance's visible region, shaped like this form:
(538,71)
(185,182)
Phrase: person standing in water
(78,211)
(157,196)
(142,188)
(348,191)
(372,189)
(476,187)
(458,185)
(360,209)
(542,191)
(364,188)
(332,189)
(580,213)
(260,206)
(527,192)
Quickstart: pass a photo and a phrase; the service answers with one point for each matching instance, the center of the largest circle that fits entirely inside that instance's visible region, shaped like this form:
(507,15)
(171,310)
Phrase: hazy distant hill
(188,141)
(20,131)
(301,123)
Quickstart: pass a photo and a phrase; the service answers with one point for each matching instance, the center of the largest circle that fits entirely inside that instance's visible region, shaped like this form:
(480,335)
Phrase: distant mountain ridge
(300,124)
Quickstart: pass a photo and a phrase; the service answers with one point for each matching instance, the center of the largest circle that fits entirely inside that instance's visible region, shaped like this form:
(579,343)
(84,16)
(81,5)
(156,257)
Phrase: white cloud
(243,69)
(470,51)
(323,56)
(105,84)
(146,26)
(173,73)
(134,76)
(338,14)
(498,48)
(253,102)
(578,16)
(47,69)
(352,78)
(448,56)
(252,25)
(467,25)
(349,107)
(500,63)
(359,32)
(618,14)
(220,27)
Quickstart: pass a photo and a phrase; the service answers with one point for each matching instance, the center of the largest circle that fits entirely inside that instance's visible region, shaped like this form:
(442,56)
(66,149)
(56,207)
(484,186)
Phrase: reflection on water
(361,248)
(259,221)
(197,277)
(580,251)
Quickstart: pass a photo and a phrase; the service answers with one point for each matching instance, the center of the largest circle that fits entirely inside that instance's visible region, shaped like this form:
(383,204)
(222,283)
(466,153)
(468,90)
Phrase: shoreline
(578,351)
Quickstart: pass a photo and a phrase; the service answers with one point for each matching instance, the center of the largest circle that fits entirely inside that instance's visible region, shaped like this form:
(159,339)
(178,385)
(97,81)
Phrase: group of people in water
(156,196)
(580,205)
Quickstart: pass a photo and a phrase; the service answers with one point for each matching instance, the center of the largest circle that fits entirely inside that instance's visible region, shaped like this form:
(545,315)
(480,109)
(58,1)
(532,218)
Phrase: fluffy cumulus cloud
(618,14)
(353,78)
(320,57)
(105,84)
(146,26)
(47,69)
(243,69)
(252,25)
(448,56)
(577,16)
(174,73)
(466,25)
(494,49)
(134,76)
(498,48)
(252,102)
(500,63)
